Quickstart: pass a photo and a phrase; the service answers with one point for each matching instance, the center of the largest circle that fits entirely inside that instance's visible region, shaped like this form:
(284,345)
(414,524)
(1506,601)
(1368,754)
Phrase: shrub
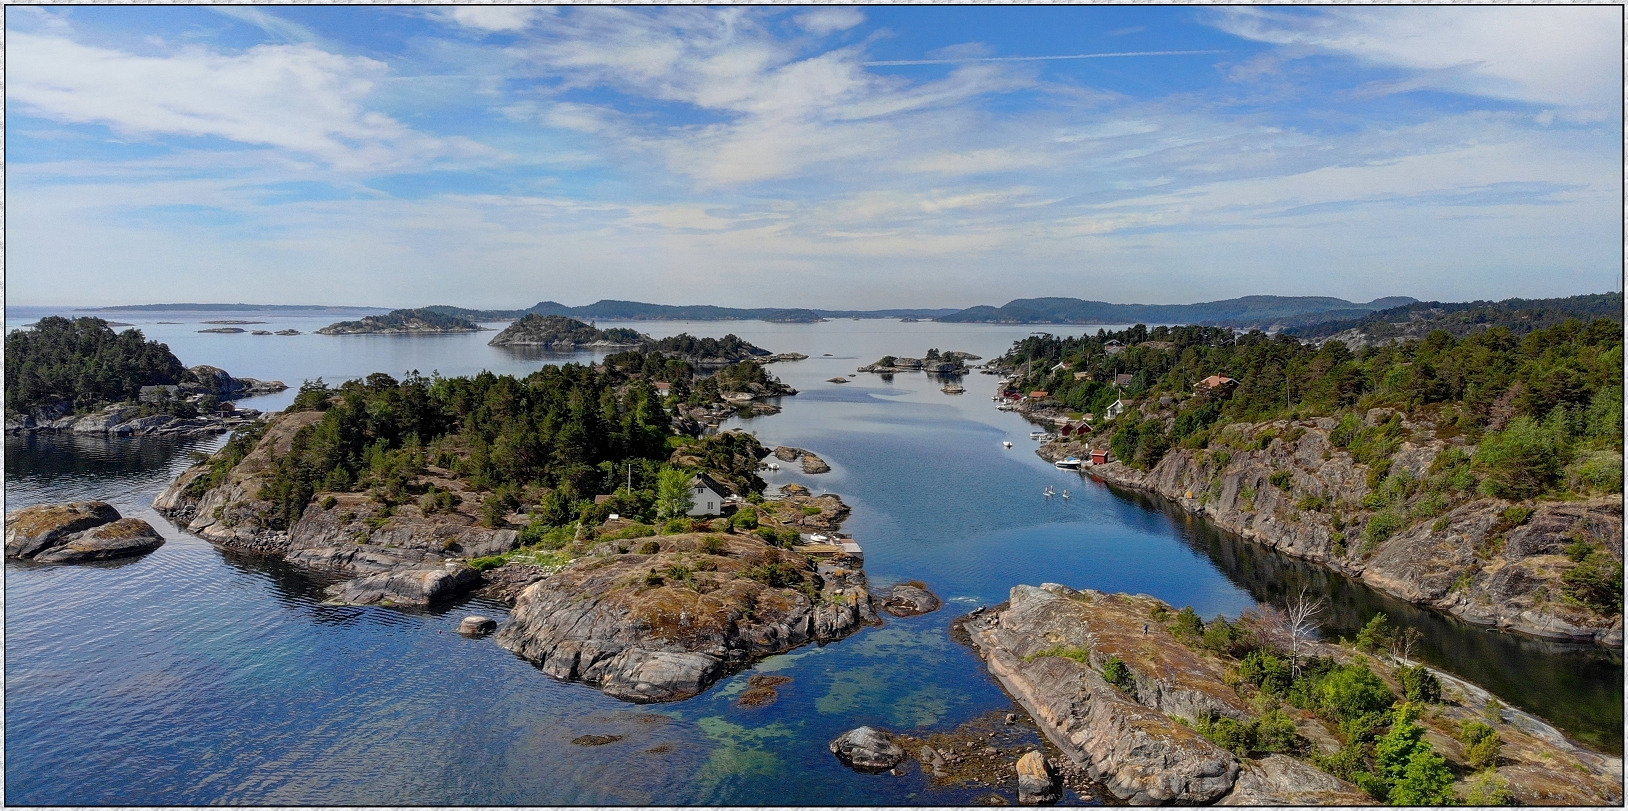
(328,502)
(1275,733)
(1187,623)
(1267,671)
(649,548)
(1487,788)
(810,509)
(1381,527)
(712,545)
(1280,479)
(1426,781)
(654,579)
(1116,673)
(1419,684)
(1519,462)
(788,537)
(746,518)
(1230,734)
(1224,637)
(1349,691)
(1376,635)
(1081,655)
(1516,515)
(1596,472)
(1481,744)
(1596,582)
(489,562)
(777,575)
(675,526)
(1311,503)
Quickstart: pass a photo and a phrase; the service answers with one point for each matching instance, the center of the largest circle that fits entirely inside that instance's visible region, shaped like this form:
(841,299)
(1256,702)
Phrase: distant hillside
(1250,311)
(226,308)
(1419,319)
(402,322)
(614,310)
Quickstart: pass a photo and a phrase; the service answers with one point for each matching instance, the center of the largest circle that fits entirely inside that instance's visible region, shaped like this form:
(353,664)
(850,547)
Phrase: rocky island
(76,533)
(948,363)
(1162,707)
(81,377)
(565,334)
(403,322)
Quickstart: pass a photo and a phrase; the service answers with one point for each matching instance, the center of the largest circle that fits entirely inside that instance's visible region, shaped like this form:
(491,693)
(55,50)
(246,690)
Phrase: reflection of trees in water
(1577,687)
(48,455)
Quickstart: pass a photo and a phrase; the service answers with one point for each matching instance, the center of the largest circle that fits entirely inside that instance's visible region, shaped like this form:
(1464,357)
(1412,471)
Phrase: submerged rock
(867,749)
(477,626)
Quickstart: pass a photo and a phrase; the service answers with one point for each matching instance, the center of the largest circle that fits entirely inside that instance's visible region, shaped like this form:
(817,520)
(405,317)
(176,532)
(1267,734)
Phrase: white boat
(1071,463)
(1036,434)
(1065,494)
(1006,444)
(773,466)
(818,538)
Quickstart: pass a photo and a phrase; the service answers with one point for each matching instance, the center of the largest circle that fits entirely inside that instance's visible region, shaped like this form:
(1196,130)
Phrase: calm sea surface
(198,676)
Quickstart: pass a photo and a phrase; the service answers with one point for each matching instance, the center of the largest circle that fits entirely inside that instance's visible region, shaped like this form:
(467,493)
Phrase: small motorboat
(1037,434)
(773,466)
(1006,444)
(1065,494)
(1071,463)
(818,538)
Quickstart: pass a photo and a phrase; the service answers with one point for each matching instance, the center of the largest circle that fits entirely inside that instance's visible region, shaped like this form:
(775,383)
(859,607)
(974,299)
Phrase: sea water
(194,675)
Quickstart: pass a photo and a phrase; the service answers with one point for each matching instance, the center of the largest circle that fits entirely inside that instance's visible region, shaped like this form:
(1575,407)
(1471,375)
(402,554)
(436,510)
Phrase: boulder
(867,749)
(786,454)
(932,762)
(1037,783)
(416,586)
(122,538)
(813,464)
(910,599)
(32,530)
(1281,780)
(477,626)
(104,420)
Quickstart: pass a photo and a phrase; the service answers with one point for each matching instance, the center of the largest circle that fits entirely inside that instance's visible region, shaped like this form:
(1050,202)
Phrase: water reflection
(1576,687)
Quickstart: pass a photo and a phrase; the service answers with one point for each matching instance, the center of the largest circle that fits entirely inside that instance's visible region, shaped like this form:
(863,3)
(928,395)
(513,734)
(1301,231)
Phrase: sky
(817,156)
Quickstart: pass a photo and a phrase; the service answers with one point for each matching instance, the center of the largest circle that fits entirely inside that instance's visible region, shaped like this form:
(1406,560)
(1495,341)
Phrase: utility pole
(630,478)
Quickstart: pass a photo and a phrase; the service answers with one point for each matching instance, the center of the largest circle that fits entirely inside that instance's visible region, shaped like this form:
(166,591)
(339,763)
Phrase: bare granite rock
(910,599)
(420,585)
(1037,784)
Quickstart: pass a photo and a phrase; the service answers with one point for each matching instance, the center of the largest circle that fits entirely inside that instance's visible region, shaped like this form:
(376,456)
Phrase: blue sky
(824,156)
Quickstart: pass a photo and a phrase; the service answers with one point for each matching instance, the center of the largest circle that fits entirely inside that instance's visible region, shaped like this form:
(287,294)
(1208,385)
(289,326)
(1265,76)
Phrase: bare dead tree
(1301,617)
(1403,644)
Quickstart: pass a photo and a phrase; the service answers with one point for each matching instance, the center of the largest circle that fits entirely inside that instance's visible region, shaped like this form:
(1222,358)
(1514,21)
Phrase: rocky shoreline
(1051,647)
(79,532)
(132,419)
(1475,561)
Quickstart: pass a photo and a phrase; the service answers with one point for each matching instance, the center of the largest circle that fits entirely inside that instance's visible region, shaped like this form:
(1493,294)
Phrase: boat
(817,538)
(1051,490)
(773,466)
(1065,494)
(1036,434)
(1071,463)
(1006,444)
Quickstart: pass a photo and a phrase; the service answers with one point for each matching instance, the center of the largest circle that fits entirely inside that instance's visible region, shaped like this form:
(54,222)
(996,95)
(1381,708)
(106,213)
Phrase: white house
(1116,409)
(707,496)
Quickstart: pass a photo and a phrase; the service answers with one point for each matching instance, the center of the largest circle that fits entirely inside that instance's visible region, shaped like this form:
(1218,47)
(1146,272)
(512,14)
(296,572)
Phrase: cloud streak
(967,59)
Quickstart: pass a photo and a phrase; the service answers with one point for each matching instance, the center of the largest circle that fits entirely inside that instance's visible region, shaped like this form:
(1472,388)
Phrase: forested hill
(402,321)
(1250,311)
(1416,320)
(83,362)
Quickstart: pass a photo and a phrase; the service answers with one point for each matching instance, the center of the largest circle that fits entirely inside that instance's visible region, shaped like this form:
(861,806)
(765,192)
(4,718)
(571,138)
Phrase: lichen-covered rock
(32,530)
(867,749)
(1468,562)
(77,532)
(665,626)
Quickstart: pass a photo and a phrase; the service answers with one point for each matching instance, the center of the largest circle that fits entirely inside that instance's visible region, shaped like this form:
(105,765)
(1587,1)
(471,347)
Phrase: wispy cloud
(965,59)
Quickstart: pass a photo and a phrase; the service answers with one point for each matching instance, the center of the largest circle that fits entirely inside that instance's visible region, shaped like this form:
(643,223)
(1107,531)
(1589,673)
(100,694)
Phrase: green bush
(1272,733)
(1522,461)
(1081,655)
(746,518)
(1116,673)
(1595,582)
(649,548)
(1516,515)
(1275,733)
(1596,472)
(1187,623)
(1376,635)
(328,502)
(1382,526)
(489,562)
(1481,744)
(1349,691)
(654,579)
(1419,684)
(712,545)
(1226,638)
(1267,671)
(777,575)
(1487,789)
(1280,479)
(1425,782)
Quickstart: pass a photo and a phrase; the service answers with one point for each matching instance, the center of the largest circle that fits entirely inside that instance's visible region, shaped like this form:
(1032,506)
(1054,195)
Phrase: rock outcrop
(1470,561)
(812,464)
(1049,647)
(867,749)
(125,419)
(1037,785)
(665,622)
(76,533)
(910,599)
(403,556)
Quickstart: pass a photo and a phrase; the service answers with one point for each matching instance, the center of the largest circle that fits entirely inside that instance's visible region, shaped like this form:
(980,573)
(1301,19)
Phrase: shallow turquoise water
(196,676)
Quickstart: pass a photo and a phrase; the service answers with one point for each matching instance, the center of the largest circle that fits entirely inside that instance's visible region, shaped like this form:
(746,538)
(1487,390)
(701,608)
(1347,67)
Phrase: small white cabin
(707,496)
(1116,409)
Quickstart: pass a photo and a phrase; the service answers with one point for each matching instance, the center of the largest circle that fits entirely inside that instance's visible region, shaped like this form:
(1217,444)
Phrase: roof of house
(1039,395)
(1123,380)
(662,385)
(711,483)
(601,499)
(1214,381)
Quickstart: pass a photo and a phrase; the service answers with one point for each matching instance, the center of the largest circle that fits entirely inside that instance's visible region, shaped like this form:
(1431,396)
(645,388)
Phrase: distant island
(1459,319)
(402,322)
(1249,311)
(615,310)
(568,334)
(225,308)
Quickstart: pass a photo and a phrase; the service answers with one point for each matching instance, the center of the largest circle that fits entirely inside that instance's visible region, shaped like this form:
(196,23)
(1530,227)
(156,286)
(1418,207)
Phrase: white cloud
(1564,55)
(492,18)
(829,20)
(294,97)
